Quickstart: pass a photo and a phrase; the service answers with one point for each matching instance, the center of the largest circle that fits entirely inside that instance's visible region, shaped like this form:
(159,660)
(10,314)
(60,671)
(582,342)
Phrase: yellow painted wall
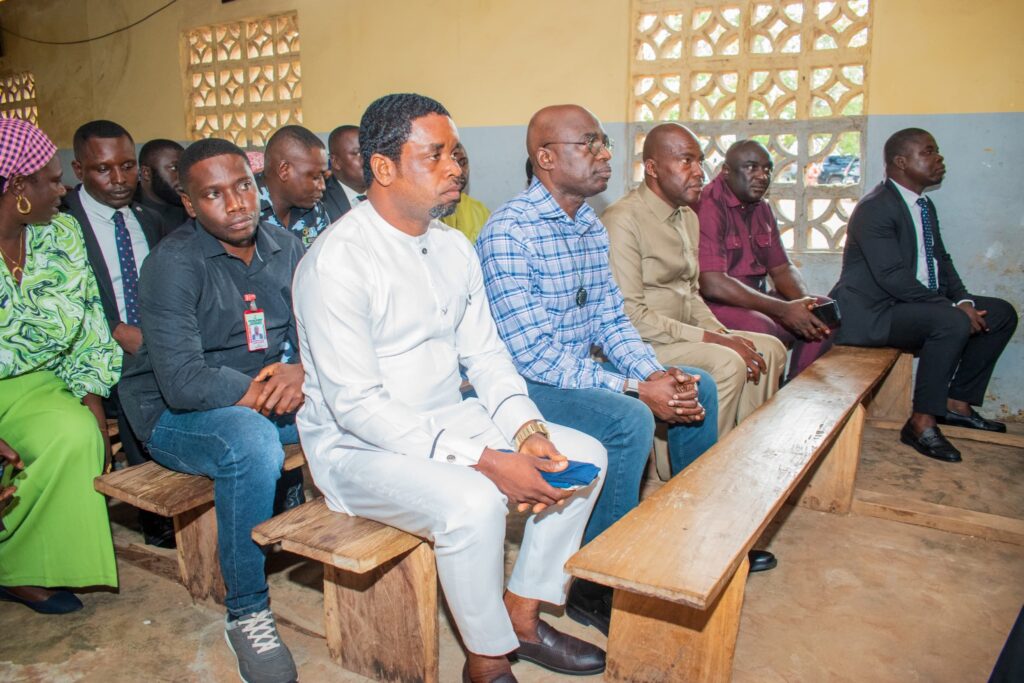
(492,62)
(947,56)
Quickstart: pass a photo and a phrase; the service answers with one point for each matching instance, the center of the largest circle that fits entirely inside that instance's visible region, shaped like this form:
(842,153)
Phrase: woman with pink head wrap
(57,361)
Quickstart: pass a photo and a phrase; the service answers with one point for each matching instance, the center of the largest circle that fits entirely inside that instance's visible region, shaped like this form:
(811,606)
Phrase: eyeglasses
(595,145)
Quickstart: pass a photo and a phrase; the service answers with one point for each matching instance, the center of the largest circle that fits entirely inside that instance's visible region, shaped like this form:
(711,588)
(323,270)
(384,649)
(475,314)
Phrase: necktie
(928,230)
(360,198)
(129,274)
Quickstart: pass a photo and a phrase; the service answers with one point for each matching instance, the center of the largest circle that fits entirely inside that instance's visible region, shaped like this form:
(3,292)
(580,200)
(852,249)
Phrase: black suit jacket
(335,200)
(880,268)
(153,227)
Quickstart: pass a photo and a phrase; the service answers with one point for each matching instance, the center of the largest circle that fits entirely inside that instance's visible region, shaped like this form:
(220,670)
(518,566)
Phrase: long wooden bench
(678,562)
(380,590)
(188,500)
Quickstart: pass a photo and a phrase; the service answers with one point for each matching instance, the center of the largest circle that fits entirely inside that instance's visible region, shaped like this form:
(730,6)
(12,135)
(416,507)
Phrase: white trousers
(463,513)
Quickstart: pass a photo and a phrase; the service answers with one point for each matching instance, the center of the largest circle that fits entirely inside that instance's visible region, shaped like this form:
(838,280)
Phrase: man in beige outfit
(653,232)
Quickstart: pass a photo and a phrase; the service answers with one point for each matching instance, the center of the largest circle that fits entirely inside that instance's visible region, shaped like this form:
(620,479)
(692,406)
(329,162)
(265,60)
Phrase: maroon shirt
(739,240)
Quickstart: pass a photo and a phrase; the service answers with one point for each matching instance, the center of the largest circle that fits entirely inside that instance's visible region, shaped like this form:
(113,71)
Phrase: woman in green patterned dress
(57,359)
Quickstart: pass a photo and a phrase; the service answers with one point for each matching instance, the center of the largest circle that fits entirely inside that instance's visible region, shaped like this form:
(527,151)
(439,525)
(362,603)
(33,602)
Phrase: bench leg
(652,640)
(830,486)
(383,624)
(892,400)
(196,534)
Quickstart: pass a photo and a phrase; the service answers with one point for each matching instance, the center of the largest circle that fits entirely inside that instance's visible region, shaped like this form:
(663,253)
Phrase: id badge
(255,329)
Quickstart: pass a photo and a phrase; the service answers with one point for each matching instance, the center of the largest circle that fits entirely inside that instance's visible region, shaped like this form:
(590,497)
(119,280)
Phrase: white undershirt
(911,197)
(353,196)
(101,217)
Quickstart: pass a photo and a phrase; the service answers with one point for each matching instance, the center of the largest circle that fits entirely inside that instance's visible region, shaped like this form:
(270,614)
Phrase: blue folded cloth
(575,474)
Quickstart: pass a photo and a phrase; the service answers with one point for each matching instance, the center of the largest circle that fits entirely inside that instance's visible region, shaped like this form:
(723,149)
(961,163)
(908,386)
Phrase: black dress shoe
(972,421)
(930,442)
(503,678)
(561,653)
(61,602)
(157,530)
(761,561)
(590,604)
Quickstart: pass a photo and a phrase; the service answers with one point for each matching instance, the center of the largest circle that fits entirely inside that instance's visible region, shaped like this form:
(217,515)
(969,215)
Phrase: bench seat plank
(684,543)
(351,543)
(154,488)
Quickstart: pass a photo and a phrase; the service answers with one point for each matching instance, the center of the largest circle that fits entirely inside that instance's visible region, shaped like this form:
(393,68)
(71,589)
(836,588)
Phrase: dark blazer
(335,200)
(152,226)
(880,268)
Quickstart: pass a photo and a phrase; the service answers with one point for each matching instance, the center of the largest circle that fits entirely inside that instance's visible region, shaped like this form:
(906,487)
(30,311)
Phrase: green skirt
(56,528)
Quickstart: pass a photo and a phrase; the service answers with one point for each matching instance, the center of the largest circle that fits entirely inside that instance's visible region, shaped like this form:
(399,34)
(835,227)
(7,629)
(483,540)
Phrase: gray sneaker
(262,657)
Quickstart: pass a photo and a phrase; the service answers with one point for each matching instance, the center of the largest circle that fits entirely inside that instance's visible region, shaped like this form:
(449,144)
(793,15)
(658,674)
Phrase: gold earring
(27,208)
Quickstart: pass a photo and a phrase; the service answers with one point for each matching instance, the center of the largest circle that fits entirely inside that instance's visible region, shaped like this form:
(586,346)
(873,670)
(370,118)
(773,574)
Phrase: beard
(443,210)
(163,190)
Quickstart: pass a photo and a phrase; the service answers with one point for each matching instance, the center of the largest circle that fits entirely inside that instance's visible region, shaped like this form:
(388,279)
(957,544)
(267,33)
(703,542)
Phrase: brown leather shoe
(503,678)
(561,653)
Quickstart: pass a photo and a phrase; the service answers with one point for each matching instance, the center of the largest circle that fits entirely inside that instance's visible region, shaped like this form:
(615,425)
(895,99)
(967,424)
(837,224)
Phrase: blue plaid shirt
(534,258)
(305,223)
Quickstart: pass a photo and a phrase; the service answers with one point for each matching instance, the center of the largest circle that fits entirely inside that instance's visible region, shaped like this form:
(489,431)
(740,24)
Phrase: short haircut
(338,132)
(149,150)
(298,134)
(386,125)
(204,149)
(101,128)
(896,145)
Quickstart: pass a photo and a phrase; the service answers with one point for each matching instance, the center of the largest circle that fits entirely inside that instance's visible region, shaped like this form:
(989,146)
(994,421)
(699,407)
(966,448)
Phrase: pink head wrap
(24,149)
(255,161)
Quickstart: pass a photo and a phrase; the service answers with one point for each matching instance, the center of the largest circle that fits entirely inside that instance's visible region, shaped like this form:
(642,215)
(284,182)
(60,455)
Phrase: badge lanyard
(255,325)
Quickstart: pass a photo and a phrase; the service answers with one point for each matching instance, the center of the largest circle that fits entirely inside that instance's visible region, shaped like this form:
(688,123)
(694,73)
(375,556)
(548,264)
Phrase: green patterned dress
(55,347)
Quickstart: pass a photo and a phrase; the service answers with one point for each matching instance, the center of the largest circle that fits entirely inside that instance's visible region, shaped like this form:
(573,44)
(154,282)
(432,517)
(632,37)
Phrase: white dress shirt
(354,198)
(101,217)
(385,319)
(911,197)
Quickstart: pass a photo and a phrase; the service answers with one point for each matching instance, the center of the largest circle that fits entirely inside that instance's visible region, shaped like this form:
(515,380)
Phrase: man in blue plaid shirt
(545,262)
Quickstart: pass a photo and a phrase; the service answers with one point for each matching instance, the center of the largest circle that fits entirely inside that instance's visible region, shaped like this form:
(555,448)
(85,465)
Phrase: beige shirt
(654,261)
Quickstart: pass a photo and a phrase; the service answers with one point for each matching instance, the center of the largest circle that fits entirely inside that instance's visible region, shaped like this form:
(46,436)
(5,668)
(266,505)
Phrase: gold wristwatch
(529,429)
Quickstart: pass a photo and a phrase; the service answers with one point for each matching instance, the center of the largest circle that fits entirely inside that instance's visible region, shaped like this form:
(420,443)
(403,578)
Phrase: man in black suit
(899,288)
(118,235)
(345,186)
(158,181)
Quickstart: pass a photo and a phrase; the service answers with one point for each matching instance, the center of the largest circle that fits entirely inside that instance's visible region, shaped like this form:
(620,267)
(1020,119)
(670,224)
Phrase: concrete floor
(854,598)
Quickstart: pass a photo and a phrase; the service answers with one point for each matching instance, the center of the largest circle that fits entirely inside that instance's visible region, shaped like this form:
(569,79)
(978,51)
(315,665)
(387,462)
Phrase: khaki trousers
(737,397)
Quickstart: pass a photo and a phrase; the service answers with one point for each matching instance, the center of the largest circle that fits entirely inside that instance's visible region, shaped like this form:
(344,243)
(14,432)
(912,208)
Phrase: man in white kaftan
(387,310)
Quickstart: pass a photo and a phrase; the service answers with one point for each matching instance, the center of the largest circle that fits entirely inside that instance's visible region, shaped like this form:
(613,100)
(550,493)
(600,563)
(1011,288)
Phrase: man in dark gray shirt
(214,388)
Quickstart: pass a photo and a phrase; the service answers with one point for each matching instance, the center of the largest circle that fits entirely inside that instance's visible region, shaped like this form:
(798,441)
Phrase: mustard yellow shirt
(469,217)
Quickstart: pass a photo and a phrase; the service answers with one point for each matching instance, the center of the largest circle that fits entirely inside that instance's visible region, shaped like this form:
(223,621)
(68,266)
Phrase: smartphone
(828,313)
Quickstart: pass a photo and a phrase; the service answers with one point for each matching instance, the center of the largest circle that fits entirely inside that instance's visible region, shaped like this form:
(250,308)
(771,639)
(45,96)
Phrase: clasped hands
(276,389)
(672,396)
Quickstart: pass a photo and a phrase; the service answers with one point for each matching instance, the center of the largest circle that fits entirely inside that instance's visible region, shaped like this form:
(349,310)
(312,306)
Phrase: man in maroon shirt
(740,248)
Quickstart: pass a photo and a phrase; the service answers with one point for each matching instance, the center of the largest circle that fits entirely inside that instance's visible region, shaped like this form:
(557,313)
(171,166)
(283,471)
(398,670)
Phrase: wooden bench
(678,562)
(188,500)
(380,590)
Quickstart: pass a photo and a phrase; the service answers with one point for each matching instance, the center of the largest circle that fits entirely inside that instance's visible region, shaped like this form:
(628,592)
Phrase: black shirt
(191,294)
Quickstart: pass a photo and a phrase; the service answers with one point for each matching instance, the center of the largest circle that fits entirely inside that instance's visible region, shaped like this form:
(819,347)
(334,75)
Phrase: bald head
(748,170)
(673,164)
(570,153)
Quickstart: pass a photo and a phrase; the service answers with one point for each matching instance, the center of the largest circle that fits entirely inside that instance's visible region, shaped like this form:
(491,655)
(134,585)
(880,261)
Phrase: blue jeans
(625,426)
(242,452)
